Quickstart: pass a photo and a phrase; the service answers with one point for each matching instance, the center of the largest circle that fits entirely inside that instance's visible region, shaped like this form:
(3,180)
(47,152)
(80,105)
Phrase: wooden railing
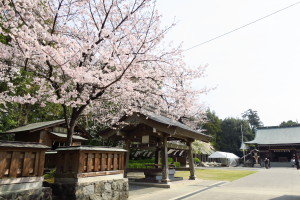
(21,159)
(74,162)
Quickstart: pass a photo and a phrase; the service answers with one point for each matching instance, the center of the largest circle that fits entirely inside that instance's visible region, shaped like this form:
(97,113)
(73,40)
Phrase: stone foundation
(24,188)
(97,190)
(44,193)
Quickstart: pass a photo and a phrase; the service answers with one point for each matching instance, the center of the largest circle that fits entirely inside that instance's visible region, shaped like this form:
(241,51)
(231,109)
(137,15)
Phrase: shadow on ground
(287,197)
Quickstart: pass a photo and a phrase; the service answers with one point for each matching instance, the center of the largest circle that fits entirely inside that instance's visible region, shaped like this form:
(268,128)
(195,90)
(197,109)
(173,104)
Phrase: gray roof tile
(34,126)
(277,135)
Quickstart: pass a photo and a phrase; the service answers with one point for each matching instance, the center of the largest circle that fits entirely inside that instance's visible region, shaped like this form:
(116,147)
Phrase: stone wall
(44,193)
(99,190)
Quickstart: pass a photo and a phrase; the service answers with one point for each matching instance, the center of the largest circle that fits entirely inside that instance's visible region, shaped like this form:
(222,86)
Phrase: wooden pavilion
(158,133)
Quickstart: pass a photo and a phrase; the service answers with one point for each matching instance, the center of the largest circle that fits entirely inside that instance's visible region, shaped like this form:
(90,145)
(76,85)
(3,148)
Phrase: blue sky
(257,67)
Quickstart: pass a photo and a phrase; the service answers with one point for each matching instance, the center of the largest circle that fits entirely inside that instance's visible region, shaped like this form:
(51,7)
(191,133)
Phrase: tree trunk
(71,127)
(71,123)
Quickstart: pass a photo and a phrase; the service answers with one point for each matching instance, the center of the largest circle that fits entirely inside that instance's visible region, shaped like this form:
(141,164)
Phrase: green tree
(288,123)
(252,117)
(212,127)
(230,138)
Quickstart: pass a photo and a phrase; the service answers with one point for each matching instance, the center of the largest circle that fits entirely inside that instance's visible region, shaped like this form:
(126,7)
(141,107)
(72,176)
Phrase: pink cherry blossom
(95,57)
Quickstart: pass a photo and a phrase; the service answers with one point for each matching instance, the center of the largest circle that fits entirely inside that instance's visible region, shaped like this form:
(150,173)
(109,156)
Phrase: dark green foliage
(288,123)
(98,141)
(15,115)
(252,117)
(142,162)
(212,127)
(4,39)
(230,139)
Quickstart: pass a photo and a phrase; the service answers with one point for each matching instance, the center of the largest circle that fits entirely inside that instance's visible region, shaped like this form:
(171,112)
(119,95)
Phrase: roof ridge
(277,127)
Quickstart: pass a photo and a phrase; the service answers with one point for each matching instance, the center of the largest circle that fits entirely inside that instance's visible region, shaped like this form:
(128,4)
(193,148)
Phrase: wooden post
(157,156)
(158,153)
(127,157)
(165,165)
(191,161)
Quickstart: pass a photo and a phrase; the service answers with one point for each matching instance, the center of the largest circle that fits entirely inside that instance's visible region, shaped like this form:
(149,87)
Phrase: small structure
(227,159)
(90,173)
(50,133)
(155,132)
(21,171)
(279,144)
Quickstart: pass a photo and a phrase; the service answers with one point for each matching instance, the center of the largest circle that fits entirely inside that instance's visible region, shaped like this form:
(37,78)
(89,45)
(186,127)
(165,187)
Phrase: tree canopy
(103,58)
(212,127)
(252,117)
(288,123)
(231,137)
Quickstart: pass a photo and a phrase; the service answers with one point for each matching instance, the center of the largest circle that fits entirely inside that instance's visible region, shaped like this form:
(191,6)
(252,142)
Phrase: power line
(236,29)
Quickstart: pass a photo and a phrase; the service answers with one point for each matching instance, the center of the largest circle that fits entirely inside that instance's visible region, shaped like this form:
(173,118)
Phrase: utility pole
(243,145)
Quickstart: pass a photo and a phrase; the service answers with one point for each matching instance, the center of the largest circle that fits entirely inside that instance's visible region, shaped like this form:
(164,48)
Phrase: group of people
(267,163)
(295,162)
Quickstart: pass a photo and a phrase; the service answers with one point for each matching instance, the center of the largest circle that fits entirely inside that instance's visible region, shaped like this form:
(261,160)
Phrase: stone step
(281,164)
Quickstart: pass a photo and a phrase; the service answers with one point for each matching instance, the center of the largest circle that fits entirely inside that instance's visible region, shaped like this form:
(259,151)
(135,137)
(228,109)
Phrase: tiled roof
(11,144)
(35,126)
(171,122)
(63,135)
(277,135)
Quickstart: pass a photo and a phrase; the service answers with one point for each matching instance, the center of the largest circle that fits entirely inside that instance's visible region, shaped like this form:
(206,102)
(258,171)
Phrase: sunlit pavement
(266,184)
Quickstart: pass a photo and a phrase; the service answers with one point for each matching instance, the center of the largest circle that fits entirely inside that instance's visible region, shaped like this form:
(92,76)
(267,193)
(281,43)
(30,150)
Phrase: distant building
(50,133)
(279,144)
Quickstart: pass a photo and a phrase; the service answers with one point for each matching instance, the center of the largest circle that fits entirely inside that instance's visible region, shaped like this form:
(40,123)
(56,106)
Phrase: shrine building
(50,133)
(279,144)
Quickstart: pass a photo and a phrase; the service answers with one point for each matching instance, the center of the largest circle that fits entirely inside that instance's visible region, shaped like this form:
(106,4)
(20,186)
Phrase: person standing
(266,163)
(297,162)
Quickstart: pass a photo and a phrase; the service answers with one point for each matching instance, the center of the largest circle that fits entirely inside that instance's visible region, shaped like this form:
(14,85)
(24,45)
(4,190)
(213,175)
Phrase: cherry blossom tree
(94,56)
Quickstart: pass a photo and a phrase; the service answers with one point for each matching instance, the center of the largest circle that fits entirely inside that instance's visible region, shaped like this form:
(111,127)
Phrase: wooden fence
(21,159)
(88,161)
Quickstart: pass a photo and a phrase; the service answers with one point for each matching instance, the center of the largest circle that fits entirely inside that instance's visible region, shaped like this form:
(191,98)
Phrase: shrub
(177,164)
(197,160)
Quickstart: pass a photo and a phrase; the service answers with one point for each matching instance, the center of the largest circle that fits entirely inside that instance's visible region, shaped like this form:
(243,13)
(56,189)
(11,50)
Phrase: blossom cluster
(95,55)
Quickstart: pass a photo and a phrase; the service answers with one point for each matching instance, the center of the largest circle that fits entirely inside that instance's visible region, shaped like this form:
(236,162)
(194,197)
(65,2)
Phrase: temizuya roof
(161,123)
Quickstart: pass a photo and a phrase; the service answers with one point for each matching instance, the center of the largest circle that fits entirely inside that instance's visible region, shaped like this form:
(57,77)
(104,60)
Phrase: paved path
(271,184)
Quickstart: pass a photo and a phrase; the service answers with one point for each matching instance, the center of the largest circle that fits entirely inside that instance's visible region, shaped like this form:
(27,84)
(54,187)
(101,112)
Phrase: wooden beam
(177,146)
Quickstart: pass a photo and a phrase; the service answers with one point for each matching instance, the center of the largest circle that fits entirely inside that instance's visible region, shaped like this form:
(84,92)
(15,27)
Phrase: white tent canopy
(220,154)
(229,159)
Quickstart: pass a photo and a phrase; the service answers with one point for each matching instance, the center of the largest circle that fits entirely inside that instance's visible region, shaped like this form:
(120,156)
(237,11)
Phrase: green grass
(216,174)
